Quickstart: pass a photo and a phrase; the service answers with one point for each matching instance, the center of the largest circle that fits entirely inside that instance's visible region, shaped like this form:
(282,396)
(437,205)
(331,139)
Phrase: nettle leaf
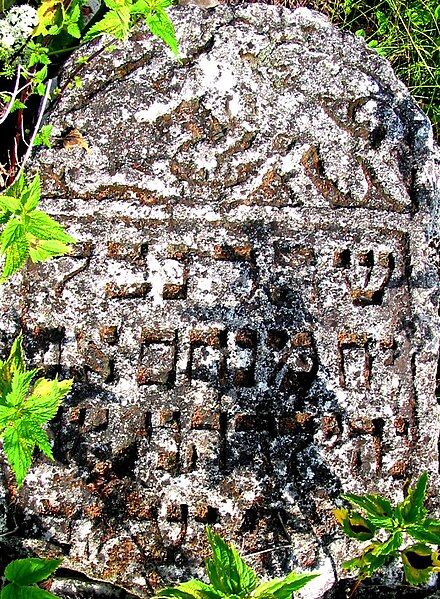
(390,546)
(20,384)
(16,256)
(227,571)
(368,562)
(10,203)
(116,22)
(19,453)
(161,26)
(46,398)
(193,589)
(412,507)
(374,505)
(50,17)
(43,226)
(41,250)
(13,232)
(30,195)
(44,134)
(354,525)
(14,362)
(31,570)
(425,533)
(419,562)
(282,588)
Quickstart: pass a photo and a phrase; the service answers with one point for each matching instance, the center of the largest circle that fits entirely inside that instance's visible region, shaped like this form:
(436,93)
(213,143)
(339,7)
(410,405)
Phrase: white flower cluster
(17,26)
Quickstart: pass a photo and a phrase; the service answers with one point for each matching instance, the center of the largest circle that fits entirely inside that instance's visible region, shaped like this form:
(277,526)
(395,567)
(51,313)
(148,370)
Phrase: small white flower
(22,19)
(7,37)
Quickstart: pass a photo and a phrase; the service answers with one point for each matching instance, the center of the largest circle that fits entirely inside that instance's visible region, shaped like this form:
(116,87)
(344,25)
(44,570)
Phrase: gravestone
(250,311)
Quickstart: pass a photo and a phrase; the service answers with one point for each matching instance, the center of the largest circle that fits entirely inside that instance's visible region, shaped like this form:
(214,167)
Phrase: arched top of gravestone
(267,108)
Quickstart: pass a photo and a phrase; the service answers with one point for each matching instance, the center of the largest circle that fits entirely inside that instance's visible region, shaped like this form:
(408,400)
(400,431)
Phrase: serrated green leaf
(74,30)
(10,203)
(282,588)
(418,563)
(43,139)
(16,256)
(355,526)
(18,452)
(226,569)
(43,226)
(30,570)
(374,505)
(193,589)
(34,435)
(7,413)
(13,231)
(20,387)
(31,193)
(42,250)
(46,398)
(428,531)
(14,362)
(161,26)
(115,23)
(412,507)
(390,546)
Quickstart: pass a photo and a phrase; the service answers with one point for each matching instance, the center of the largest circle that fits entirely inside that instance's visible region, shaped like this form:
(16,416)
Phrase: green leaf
(193,589)
(390,546)
(374,505)
(13,232)
(43,139)
(20,387)
(18,452)
(42,226)
(115,23)
(41,250)
(282,588)
(30,194)
(16,256)
(161,26)
(74,30)
(32,432)
(46,398)
(418,563)
(354,525)
(427,531)
(412,508)
(10,203)
(13,591)
(31,570)
(227,571)
(14,362)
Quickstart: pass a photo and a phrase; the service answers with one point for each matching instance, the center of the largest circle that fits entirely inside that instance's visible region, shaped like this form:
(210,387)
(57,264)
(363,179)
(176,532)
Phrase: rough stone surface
(250,315)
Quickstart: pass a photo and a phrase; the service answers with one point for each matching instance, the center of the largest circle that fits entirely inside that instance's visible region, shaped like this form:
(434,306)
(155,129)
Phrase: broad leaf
(418,563)
(41,250)
(50,17)
(13,231)
(45,399)
(160,25)
(42,226)
(354,525)
(374,505)
(9,203)
(16,256)
(19,453)
(13,591)
(390,546)
(282,588)
(412,508)
(115,23)
(227,571)
(31,570)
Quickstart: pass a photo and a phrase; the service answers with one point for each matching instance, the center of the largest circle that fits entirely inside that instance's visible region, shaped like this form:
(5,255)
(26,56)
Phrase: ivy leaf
(161,26)
(31,570)
(282,588)
(226,569)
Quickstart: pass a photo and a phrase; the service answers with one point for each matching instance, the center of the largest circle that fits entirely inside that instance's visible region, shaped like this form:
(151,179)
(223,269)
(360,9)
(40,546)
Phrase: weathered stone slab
(250,315)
